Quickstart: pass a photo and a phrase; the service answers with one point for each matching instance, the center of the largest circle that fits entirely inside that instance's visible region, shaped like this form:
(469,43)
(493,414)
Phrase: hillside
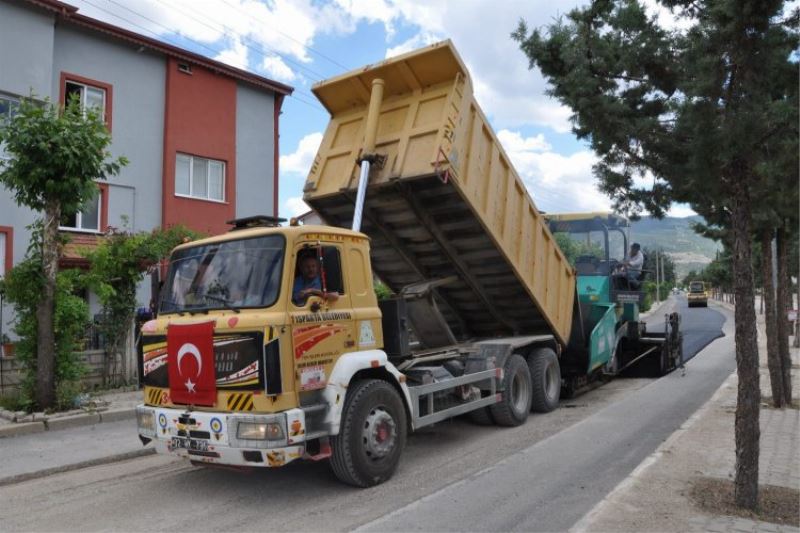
(675,236)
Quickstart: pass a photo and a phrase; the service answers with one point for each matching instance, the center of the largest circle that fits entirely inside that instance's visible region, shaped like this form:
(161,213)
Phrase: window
(198,177)
(89,97)
(88,219)
(8,108)
(318,270)
(231,274)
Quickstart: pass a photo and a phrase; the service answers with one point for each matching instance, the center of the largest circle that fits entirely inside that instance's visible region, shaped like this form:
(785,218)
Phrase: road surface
(543,475)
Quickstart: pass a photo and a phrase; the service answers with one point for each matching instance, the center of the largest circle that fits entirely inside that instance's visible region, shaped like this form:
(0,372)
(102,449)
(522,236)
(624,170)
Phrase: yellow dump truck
(271,345)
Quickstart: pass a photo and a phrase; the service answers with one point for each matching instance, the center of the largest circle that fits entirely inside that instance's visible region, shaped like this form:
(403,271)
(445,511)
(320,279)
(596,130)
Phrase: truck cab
(228,302)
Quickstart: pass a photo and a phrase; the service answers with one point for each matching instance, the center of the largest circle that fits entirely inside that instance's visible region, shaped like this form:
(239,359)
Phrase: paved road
(700,325)
(543,475)
(549,486)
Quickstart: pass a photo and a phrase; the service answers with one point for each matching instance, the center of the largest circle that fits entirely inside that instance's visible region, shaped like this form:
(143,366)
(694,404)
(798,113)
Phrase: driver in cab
(309,282)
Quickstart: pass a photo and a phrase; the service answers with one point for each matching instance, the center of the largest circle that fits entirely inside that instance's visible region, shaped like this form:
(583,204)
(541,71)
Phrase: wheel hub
(519,393)
(551,381)
(380,433)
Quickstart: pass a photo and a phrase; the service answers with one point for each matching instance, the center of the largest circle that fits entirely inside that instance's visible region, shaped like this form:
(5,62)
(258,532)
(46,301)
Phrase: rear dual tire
(546,376)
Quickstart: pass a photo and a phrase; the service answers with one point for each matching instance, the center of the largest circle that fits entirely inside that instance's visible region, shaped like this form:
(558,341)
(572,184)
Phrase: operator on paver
(633,263)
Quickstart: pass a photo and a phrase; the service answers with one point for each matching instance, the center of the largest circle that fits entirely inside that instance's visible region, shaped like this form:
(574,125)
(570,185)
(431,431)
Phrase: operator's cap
(636,246)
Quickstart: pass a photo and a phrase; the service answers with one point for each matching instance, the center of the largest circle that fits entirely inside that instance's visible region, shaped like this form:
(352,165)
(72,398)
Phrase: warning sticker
(366,336)
(312,377)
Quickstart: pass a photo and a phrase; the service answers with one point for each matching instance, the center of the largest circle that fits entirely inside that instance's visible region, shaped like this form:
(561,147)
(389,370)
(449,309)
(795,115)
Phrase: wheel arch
(354,366)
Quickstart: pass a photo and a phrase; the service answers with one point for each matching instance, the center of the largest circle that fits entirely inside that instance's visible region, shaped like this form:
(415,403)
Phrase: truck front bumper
(236,439)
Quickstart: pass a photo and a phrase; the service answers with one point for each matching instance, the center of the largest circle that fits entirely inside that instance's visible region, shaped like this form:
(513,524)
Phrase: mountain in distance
(689,250)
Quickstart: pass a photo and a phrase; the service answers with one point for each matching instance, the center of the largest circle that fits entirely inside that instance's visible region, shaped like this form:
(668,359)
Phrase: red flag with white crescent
(190,363)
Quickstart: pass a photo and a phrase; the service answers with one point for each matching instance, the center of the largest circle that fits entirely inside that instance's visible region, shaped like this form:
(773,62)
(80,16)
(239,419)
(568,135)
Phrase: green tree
(22,286)
(694,109)
(118,264)
(574,247)
(54,157)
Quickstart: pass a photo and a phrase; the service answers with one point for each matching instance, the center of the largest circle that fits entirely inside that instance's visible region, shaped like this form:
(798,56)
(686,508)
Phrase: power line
(231,32)
(198,43)
(331,60)
(174,43)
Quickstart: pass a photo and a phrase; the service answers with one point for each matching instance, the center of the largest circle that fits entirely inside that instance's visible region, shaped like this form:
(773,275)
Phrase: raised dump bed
(446,202)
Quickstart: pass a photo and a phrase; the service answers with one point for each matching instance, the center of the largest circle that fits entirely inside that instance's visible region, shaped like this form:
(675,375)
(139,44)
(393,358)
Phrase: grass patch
(12,402)
(779,505)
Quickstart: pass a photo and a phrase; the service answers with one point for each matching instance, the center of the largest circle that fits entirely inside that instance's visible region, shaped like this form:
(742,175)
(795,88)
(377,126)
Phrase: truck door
(321,313)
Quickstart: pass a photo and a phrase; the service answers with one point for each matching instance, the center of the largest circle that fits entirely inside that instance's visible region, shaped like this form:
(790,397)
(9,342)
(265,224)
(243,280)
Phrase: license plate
(190,444)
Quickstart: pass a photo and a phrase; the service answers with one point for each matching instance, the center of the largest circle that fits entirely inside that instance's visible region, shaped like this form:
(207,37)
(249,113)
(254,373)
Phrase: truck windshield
(696,286)
(225,275)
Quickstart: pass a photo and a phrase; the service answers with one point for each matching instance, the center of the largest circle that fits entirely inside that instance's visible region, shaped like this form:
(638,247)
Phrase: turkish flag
(190,363)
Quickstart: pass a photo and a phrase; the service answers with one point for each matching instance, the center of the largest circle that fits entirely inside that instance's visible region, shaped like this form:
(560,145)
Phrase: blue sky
(299,42)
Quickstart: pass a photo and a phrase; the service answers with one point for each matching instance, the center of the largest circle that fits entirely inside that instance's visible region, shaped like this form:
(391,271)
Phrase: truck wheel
(515,405)
(371,436)
(546,376)
(481,417)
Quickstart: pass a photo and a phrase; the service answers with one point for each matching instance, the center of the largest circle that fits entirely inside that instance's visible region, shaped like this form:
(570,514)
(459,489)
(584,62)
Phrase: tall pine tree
(683,115)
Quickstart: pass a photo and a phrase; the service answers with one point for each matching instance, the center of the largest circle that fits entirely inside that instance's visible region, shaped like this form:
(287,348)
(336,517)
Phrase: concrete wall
(25,67)
(255,149)
(34,52)
(28,64)
(11,372)
(138,81)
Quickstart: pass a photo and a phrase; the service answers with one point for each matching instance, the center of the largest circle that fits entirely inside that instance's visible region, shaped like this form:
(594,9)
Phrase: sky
(300,42)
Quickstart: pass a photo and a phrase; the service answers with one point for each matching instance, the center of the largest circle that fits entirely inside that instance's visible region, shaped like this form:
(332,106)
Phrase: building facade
(201,136)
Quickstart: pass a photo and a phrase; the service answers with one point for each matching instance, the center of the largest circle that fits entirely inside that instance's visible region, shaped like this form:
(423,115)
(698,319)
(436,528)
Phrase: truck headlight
(259,431)
(146,421)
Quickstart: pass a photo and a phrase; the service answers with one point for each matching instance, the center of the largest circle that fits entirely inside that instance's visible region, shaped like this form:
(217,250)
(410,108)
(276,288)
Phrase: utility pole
(658,286)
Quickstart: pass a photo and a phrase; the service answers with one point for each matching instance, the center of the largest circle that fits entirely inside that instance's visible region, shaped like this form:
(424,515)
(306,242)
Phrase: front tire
(515,405)
(546,376)
(372,435)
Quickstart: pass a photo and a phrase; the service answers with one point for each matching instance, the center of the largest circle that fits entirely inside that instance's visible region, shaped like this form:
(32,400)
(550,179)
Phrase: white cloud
(513,141)
(295,206)
(418,41)
(557,183)
(680,211)
(236,56)
(300,160)
(276,68)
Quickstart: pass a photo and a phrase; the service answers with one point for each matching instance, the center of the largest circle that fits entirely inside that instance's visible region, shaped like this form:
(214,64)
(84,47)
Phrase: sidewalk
(657,494)
(104,407)
(105,433)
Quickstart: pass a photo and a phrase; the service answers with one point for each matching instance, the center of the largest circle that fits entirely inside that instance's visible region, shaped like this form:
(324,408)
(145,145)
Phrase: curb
(65,422)
(76,466)
(21,428)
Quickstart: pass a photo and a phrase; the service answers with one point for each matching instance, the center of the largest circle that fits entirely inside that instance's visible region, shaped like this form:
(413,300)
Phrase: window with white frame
(198,177)
(8,108)
(87,219)
(89,97)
